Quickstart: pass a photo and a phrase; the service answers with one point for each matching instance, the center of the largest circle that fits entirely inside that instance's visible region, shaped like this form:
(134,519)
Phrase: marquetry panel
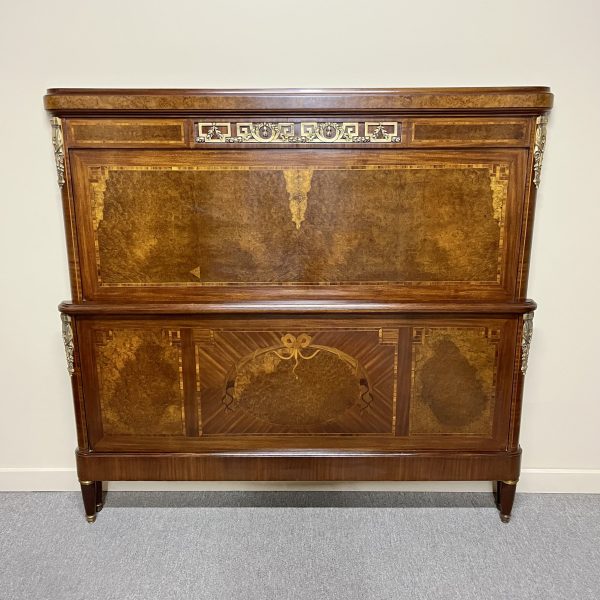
(361,382)
(140,383)
(229,219)
(453,383)
(469,132)
(303,381)
(125,132)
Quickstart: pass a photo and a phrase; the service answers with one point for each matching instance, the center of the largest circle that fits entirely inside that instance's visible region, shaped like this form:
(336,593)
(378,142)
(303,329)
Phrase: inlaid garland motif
(304,132)
(296,348)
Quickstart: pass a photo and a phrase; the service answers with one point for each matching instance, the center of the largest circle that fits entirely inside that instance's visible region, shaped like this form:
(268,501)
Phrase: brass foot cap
(505,518)
(90,519)
(99,507)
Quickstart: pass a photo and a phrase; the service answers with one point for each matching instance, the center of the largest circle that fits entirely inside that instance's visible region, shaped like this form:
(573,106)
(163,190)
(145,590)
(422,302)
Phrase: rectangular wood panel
(180,224)
(294,381)
(453,387)
(469,132)
(394,383)
(139,380)
(125,132)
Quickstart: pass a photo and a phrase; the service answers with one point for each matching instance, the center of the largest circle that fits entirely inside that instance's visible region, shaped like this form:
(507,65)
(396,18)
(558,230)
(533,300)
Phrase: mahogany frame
(410,106)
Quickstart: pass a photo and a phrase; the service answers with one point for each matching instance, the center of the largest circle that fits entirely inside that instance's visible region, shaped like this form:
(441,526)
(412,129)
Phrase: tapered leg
(497,490)
(505,496)
(99,496)
(88,491)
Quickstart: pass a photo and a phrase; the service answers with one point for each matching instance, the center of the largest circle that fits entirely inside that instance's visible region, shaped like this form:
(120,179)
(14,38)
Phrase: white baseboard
(558,481)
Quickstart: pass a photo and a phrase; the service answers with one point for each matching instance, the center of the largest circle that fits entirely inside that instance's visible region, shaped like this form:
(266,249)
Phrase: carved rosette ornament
(526,340)
(538,149)
(59,149)
(68,340)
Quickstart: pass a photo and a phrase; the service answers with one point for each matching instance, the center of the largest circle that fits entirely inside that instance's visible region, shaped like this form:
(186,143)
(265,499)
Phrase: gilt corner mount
(59,149)
(526,336)
(539,147)
(69,343)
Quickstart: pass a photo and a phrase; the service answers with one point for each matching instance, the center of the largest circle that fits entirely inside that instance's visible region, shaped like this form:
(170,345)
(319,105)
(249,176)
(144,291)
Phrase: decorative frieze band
(303,132)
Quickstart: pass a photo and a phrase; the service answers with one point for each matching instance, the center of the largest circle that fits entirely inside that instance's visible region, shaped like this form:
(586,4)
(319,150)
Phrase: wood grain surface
(298,284)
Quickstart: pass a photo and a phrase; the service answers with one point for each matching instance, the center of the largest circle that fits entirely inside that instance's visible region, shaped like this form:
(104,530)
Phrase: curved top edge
(287,91)
(491,98)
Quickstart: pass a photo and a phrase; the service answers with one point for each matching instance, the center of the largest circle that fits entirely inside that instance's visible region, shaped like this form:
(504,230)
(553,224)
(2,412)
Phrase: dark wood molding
(314,466)
(298,308)
(80,100)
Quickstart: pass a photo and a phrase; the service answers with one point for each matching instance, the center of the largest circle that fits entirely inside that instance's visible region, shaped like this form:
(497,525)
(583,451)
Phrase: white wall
(277,43)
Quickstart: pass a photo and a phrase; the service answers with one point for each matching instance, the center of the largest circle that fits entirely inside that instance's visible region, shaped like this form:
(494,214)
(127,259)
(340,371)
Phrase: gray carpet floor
(297,546)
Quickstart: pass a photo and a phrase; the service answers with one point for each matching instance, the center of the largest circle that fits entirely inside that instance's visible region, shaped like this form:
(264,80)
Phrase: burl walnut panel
(454,380)
(193,220)
(140,381)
